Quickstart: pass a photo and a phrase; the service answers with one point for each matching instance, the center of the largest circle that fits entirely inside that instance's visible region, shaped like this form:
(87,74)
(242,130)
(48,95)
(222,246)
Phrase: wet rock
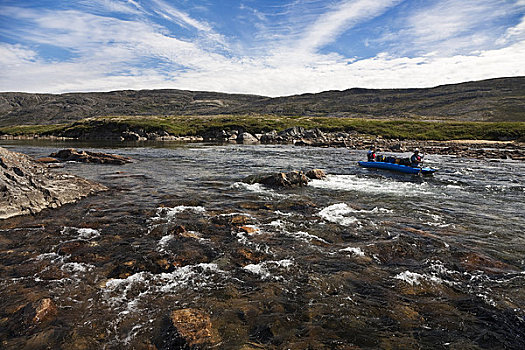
(33,316)
(71,247)
(290,179)
(232,220)
(186,329)
(181,231)
(245,256)
(262,334)
(45,311)
(28,187)
(478,262)
(72,154)
(317,174)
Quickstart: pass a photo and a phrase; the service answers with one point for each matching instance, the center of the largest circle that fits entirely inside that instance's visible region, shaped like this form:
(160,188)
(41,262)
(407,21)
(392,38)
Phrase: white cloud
(110,53)
(180,16)
(348,13)
(129,7)
(13,55)
(450,27)
(255,76)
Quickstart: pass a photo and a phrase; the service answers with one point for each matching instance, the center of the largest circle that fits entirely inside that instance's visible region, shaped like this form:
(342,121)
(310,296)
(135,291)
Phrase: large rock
(315,174)
(247,138)
(72,154)
(290,179)
(27,187)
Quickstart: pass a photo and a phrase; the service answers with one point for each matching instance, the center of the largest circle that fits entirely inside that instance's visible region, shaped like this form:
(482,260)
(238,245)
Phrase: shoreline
(477,149)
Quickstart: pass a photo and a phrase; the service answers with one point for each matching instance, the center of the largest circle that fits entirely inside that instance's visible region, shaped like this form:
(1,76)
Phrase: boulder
(72,154)
(296,132)
(27,187)
(316,174)
(132,136)
(289,179)
(247,138)
(269,137)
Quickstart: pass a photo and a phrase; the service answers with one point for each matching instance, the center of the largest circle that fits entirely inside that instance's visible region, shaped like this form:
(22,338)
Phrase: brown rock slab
(47,160)
(72,154)
(195,327)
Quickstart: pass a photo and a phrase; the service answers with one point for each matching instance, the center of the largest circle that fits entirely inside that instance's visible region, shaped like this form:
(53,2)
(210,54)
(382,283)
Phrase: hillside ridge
(500,99)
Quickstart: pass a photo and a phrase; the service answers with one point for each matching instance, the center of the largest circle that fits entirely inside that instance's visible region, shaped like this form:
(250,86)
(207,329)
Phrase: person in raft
(371,155)
(416,159)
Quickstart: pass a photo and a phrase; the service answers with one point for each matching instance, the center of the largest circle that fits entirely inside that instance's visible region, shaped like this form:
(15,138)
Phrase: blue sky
(270,47)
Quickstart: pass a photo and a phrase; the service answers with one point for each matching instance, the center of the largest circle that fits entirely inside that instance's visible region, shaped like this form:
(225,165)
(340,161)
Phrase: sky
(270,47)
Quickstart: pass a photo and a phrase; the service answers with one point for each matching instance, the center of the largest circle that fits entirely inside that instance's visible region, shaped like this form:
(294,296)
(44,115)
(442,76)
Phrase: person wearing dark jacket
(371,155)
(416,159)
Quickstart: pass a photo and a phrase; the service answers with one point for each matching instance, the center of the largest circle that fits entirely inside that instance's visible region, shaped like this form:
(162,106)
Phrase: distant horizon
(235,93)
(267,48)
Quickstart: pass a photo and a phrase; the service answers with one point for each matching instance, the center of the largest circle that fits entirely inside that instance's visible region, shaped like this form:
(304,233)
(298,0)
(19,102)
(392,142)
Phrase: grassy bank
(197,125)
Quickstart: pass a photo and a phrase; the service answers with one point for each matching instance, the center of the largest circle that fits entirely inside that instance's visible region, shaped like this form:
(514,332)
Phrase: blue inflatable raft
(398,167)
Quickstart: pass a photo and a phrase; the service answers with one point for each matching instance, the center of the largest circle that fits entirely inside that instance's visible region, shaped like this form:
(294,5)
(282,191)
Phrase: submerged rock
(28,187)
(187,329)
(72,154)
(33,317)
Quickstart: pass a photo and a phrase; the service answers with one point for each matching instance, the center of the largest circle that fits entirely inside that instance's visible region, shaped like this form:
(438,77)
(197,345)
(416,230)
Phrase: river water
(363,259)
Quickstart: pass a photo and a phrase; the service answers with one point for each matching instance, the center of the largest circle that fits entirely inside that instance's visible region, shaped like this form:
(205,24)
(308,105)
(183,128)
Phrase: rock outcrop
(289,179)
(27,187)
(72,154)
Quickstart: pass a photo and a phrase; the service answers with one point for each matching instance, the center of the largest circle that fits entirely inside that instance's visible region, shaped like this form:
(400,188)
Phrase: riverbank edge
(478,149)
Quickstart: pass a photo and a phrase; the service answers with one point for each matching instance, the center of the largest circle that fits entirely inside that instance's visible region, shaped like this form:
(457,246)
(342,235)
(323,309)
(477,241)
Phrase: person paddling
(371,155)
(416,159)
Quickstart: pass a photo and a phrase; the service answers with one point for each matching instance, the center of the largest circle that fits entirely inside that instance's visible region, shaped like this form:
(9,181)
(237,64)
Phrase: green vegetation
(198,125)
(32,129)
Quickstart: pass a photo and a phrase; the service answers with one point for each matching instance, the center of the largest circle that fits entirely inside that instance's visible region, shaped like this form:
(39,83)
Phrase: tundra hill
(501,99)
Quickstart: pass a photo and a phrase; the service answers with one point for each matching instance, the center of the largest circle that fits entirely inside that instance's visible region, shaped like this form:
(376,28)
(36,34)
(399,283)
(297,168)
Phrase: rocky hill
(501,99)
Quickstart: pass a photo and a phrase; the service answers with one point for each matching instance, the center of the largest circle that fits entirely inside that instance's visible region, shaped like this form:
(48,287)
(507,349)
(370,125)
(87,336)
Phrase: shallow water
(364,258)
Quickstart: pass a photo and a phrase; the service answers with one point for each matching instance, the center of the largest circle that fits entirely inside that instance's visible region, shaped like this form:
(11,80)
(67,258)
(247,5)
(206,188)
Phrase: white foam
(263,269)
(81,233)
(337,213)
(414,278)
(88,233)
(255,188)
(276,223)
(163,242)
(370,185)
(353,250)
(171,213)
(305,236)
(129,291)
(74,267)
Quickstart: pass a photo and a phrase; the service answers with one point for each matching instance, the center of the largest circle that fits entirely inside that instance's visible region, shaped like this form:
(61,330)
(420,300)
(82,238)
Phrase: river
(363,259)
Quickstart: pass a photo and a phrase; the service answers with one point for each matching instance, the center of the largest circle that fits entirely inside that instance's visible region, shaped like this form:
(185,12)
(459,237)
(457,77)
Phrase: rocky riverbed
(183,251)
